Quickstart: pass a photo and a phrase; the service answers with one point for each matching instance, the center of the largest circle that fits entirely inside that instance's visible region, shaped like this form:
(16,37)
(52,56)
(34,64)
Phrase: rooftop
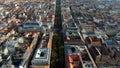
(41,57)
(73,61)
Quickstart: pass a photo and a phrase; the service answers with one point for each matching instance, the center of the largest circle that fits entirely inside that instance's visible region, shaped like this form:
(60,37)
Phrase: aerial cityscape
(59,33)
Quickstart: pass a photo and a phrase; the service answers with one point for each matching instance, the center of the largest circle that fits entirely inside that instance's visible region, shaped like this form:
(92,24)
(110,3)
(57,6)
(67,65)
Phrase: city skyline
(59,33)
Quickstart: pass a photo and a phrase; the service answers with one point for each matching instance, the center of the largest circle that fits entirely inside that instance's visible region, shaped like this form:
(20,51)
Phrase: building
(32,26)
(73,61)
(41,57)
(73,38)
(93,40)
(2,26)
(118,38)
(3,50)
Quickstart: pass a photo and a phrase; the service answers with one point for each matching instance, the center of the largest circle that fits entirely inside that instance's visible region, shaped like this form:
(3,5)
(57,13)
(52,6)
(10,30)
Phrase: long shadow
(58,45)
